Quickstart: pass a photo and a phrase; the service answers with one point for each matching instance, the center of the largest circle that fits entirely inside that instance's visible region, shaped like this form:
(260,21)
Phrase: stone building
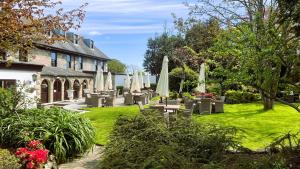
(67,68)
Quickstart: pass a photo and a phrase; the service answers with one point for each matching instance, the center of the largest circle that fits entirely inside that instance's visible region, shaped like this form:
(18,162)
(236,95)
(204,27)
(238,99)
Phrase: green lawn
(256,127)
(103,119)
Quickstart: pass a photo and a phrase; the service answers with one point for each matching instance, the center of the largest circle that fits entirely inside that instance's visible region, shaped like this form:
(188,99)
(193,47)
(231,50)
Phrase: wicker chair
(109,101)
(141,98)
(219,106)
(128,99)
(143,110)
(205,105)
(188,103)
(187,113)
(93,101)
(88,99)
(171,102)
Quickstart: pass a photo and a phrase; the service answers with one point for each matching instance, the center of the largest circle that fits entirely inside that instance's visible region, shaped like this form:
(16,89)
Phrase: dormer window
(92,44)
(76,39)
(50,34)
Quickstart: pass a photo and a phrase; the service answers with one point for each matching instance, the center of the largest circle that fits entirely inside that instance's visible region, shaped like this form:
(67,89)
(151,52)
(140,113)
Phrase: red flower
(33,156)
(34,144)
(30,165)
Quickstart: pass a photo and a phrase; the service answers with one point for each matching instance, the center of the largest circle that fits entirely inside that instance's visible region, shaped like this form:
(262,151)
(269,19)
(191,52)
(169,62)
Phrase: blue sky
(120,28)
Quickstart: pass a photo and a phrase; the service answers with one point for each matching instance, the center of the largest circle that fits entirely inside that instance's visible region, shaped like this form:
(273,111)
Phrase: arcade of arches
(54,89)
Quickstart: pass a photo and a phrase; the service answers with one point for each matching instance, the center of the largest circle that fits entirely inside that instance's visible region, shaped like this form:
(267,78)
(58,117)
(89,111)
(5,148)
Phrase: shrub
(191,79)
(153,86)
(64,133)
(238,96)
(174,95)
(8,160)
(147,142)
(120,88)
(188,95)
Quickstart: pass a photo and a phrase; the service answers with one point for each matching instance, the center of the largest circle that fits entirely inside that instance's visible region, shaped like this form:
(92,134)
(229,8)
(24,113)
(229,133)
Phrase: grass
(257,128)
(103,119)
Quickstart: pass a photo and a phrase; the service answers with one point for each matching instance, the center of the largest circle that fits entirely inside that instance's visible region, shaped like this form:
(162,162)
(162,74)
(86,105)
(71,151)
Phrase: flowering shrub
(33,155)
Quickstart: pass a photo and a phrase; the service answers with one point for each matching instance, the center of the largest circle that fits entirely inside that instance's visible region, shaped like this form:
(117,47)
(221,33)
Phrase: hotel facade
(55,72)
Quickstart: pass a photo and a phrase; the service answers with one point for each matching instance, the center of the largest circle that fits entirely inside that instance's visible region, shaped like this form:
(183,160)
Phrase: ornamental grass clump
(148,142)
(65,134)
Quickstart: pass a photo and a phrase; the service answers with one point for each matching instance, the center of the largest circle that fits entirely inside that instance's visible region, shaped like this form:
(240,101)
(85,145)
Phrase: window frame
(80,60)
(69,61)
(96,65)
(76,39)
(53,61)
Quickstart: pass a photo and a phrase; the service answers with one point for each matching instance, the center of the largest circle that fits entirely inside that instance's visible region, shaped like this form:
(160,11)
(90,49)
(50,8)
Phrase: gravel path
(87,161)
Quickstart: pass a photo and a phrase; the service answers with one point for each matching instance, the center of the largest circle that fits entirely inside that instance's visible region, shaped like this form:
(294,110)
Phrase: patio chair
(160,109)
(128,99)
(143,110)
(141,98)
(219,106)
(187,113)
(171,102)
(109,101)
(88,99)
(205,105)
(94,101)
(188,103)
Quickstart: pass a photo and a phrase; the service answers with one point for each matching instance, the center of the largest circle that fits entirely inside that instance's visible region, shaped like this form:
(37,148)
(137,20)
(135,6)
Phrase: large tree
(22,22)
(116,66)
(158,47)
(267,45)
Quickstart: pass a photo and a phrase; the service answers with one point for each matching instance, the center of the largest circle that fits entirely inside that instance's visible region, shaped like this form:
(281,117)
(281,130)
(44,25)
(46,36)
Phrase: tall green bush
(191,79)
(147,142)
(64,133)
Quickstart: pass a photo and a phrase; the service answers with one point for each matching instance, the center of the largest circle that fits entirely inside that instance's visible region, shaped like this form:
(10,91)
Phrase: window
(69,61)
(6,84)
(96,65)
(76,39)
(53,59)
(92,44)
(80,63)
(23,55)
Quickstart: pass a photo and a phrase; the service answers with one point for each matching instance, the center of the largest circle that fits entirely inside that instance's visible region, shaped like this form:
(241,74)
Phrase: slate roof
(56,71)
(81,48)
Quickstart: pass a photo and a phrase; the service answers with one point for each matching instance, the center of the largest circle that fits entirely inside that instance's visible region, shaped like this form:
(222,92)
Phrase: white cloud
(127,6)
(126,16)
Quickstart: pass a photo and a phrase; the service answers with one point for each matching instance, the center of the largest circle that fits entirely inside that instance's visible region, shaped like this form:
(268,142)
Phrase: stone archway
(57,90)
(67,86)
(84,86)
(76,88)
(45,91)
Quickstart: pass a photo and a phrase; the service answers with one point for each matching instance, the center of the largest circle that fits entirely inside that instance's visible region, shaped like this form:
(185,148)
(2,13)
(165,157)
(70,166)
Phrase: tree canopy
(24,22)
(116,66)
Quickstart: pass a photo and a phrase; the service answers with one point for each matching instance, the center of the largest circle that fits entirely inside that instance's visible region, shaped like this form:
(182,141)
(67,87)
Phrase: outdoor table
(173,108)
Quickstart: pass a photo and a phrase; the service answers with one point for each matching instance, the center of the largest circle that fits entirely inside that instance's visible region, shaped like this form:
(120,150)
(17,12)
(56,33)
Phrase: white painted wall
(22,77)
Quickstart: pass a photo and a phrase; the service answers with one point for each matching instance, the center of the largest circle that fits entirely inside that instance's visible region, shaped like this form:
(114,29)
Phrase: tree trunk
(268,103)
